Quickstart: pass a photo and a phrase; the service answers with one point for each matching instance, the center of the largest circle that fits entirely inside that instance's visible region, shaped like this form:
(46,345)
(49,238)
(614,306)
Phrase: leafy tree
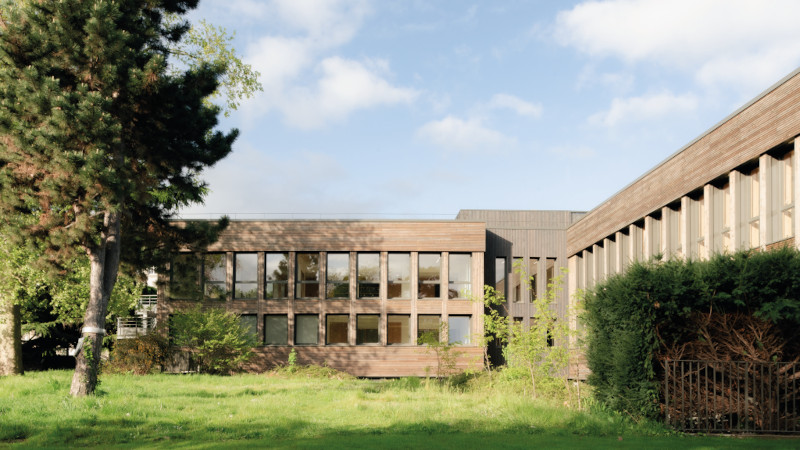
(214,337)
(101,142)
(541,348)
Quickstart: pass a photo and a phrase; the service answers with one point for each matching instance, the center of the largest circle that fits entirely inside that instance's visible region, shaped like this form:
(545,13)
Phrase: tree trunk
(104,263)
(10,338)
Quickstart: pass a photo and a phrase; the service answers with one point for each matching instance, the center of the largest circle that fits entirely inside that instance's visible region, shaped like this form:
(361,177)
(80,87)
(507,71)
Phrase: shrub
(140,356)
(670,309)
(216,341)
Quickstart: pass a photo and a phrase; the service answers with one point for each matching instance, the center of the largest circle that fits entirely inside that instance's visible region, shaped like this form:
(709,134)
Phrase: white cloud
(344,87)
(521,107)
(644,108)
(309,88)
(458,134)
(573,153)
(719,41)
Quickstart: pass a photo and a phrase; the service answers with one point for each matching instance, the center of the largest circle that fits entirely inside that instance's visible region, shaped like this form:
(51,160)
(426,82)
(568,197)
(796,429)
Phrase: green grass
(197,411)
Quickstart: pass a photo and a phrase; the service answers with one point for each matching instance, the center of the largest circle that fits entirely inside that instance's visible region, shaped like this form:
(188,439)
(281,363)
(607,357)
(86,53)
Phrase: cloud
(345,86)
(519,106)
(644,108)
(458,134)
(739,42)
(303,81)
(573,153)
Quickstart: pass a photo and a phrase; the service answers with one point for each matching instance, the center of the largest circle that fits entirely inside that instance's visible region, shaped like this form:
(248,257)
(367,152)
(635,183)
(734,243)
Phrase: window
(458,330)
(398,329)
(215,269)
(306,329)
(500,275)
(336,329)
(459,269)
(399,275)
(533,272)
(516,281)
(338,276)
(277,275)
(245,284)
(185,276)
(550,272)
(276,329)
(250,323)
(307,275)
(367,329)
(368,269)
(430,272)
(428,328)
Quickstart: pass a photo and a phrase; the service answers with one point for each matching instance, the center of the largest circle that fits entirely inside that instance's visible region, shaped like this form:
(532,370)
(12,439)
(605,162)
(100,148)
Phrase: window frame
(236,280)
(377,329)
(270,285)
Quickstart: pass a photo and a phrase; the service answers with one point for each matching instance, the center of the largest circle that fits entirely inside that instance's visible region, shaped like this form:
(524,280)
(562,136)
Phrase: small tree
(496,323)
(542,348)
(215,339)
(446,355)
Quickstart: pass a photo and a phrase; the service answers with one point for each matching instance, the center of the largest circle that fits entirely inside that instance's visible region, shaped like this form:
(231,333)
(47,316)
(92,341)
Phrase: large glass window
(550,272)
(516,280)
(398,329)
(276,329)
(277,275)
(338,278)
(215,269)
(428,328)
(306,329)
(533,272)
(430,272)
(245,284)
(250,323)
(500,275)
(307,285)
(460,270)
(367,329)
(399,275)
(369,275)
(185,276)
(458,330)
(336,328)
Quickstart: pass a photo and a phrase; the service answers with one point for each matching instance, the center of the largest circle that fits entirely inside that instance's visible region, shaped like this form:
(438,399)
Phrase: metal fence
(131,327)
(732,396)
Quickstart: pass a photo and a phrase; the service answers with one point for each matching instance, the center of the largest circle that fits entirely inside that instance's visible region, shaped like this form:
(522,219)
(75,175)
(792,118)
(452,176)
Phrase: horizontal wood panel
(770,120)
(313,235)
(367,361)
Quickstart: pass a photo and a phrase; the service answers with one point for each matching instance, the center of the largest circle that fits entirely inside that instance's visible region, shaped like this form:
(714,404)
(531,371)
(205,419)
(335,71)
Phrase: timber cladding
(772,119)
(344,235)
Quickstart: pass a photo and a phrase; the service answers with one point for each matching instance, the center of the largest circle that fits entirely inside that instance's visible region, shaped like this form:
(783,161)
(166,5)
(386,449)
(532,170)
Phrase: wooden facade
(441,241)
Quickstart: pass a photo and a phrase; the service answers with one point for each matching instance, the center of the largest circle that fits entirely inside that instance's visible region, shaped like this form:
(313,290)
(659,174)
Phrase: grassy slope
(257,410)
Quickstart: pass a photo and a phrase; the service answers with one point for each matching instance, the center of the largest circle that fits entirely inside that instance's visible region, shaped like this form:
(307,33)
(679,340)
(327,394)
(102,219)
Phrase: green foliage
(217,342)
(541,348)
(139,356)
(292,358)
(635,319)
(445,351)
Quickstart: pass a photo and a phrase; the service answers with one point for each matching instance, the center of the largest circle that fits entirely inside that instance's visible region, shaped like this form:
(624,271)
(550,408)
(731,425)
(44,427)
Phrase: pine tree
(99,142)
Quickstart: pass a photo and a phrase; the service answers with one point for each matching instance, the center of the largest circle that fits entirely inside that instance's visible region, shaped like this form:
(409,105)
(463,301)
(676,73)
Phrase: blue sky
(401,109)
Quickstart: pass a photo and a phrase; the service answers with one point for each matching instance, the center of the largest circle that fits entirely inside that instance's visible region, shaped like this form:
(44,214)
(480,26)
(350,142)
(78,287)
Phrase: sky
(391,109)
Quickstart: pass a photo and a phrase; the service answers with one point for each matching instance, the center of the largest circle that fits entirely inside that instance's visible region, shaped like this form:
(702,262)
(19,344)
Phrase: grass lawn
(197,411)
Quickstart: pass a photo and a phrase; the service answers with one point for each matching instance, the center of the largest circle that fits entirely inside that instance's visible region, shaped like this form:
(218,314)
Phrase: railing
(148,301)
(732,396)
(131,327)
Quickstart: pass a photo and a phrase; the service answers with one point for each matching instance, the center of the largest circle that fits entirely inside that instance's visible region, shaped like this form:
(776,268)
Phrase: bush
(139,356)
(662,309)
(214,338)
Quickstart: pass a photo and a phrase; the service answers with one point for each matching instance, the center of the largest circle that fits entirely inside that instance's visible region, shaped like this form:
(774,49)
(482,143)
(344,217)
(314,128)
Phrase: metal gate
(732,396)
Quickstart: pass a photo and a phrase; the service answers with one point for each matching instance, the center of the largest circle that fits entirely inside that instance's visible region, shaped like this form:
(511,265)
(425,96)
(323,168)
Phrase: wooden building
(353,295)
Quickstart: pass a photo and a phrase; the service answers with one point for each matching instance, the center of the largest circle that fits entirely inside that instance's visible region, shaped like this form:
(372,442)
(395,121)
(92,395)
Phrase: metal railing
(148,301)
(131,327)
(732,396)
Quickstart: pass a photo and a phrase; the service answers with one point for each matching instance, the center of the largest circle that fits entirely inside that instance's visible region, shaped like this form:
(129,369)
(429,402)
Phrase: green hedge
(632,318)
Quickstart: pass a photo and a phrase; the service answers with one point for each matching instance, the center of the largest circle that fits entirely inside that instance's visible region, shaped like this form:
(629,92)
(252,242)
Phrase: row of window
(305,329)
(522,277)
(192,275)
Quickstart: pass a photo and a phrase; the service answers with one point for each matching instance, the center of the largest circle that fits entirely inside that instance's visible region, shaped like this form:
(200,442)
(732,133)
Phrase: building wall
(732,188)
(237,266)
